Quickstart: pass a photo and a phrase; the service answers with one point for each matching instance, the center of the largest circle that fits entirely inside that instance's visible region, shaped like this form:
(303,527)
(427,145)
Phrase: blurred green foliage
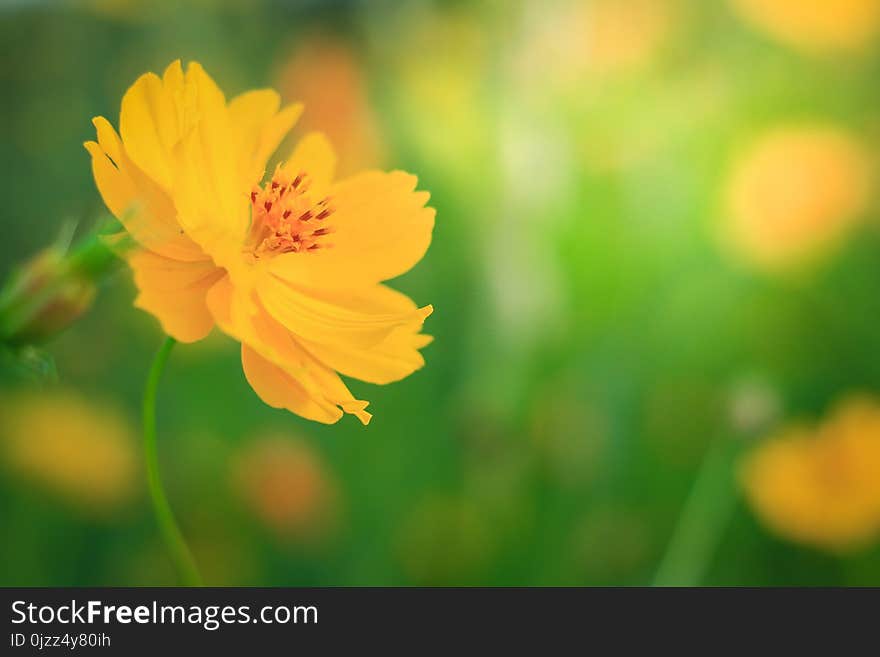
(592,335)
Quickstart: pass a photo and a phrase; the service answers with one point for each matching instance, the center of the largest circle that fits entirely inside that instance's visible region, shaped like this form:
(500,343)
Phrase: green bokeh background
(591,338)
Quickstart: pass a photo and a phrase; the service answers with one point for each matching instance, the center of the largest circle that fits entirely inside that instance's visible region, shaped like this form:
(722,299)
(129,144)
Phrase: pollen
(286,217)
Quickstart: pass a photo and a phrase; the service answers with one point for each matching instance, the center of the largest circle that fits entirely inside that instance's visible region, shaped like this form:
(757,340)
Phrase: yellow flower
(821,486)
(815,25)
(81,450)
(795,193)
(574,43)
(292,269)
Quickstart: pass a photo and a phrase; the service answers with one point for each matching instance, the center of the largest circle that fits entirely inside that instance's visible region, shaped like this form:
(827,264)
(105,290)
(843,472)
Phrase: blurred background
(655,275)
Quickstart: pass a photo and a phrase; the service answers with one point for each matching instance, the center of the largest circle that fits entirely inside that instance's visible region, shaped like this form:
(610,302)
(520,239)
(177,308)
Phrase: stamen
(282,216)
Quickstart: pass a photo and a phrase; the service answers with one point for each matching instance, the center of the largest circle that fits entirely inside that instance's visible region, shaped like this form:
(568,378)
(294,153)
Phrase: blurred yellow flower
(286,485)
(329,78)
(626,34)
(815,25)
(79,449)
(577,41)
(821,486)
(292,269)
(794,194)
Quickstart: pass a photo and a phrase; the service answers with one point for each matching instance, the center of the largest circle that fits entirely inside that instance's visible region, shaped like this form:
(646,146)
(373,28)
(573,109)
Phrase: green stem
(180,552)
(703,519)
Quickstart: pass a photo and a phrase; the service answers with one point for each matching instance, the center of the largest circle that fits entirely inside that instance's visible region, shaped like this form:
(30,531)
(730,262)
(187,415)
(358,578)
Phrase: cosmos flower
(579,43)
(816,26)
(82,450)
(821,486)
(291,267)
(794,194)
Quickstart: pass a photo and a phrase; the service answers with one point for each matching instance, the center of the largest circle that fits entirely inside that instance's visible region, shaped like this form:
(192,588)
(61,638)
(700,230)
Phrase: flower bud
(51,291)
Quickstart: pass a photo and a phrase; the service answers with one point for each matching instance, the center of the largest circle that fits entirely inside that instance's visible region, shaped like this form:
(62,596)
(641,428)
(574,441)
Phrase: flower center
(285,218)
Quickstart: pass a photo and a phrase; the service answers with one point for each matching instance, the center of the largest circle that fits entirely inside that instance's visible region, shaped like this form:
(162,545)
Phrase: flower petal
(139,203)
(173,79)
(174,292)
(393,358)
(211,204)
(261,127)
(248,322)
(177,130)
(341,319)
(381,229)
(315,156)
(280,390)
(273,133)
(148,123)
(203,164)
